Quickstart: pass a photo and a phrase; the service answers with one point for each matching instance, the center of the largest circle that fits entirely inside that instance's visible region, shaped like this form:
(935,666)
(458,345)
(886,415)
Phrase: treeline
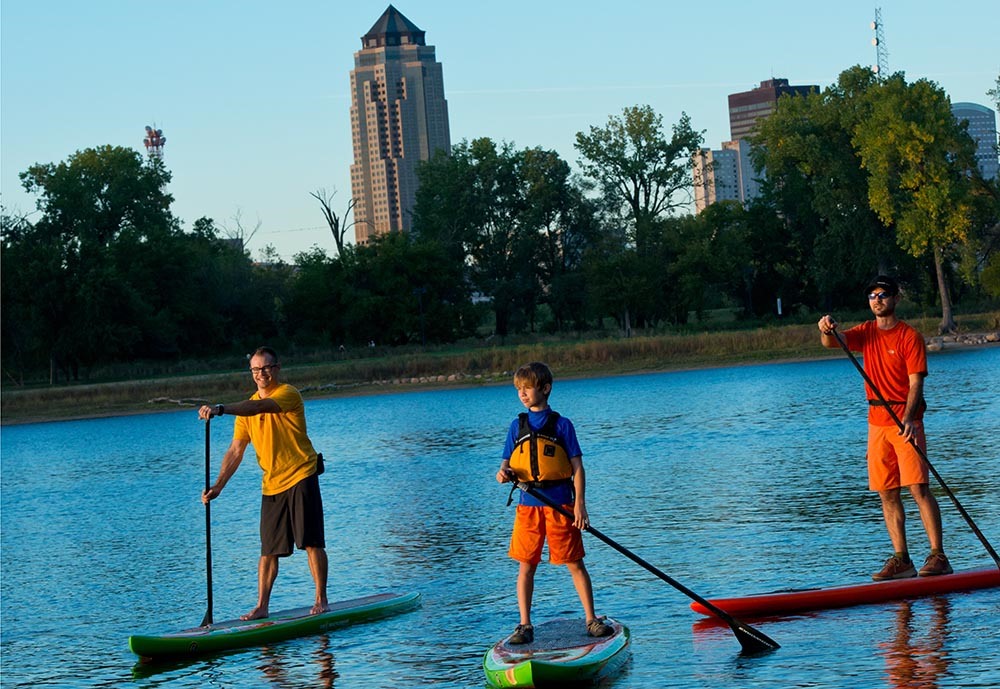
(868,176)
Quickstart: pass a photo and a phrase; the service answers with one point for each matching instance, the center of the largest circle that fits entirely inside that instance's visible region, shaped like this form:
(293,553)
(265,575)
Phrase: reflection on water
(732,481)
(916,657)
(283,669)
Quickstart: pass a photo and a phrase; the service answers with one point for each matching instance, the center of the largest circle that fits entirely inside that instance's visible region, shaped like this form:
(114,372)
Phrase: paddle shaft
(920,451)
(208,524)
(752,640)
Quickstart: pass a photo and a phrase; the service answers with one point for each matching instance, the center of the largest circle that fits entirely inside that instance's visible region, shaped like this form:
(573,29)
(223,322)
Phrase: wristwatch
(220,409)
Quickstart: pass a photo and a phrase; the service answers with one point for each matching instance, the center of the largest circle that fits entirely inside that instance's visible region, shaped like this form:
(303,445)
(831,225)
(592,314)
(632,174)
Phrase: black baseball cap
(887,283)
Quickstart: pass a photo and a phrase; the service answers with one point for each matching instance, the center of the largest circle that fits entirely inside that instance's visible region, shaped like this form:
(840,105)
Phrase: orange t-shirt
(890,357)
(283,449)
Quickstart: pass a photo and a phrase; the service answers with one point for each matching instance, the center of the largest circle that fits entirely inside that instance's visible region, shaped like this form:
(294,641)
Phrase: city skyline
(254,100)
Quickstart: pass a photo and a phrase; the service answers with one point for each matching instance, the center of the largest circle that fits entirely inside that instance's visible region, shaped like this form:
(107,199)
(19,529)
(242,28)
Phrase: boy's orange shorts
(892,461)
(533,525)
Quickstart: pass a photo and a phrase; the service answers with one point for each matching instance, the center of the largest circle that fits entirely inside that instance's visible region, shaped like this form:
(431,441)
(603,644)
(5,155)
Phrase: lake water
(732,480)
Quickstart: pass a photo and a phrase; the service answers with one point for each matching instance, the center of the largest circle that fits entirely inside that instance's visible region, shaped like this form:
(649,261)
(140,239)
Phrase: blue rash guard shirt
(561,494)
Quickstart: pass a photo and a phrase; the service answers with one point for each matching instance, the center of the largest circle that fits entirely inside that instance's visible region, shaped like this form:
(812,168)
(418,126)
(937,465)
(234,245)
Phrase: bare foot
(319,607)
(257,613)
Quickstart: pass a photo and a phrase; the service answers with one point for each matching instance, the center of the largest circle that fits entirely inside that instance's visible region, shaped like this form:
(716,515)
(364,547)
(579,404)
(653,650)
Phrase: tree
(472,204)
(832,239)
(633,163)
(101,211)
(920,163)
(338,224)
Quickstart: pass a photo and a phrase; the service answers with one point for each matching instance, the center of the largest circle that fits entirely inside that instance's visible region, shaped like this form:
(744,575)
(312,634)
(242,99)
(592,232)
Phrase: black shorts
(292,518)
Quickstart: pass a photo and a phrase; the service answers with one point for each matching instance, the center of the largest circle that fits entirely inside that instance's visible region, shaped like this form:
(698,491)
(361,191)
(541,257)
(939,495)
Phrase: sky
(254,96)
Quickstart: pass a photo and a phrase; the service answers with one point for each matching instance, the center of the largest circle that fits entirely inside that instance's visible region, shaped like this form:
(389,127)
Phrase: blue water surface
(731,480)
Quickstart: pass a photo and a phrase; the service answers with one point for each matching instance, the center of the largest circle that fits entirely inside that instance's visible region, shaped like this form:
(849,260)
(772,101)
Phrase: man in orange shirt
(291,510)
(895,359)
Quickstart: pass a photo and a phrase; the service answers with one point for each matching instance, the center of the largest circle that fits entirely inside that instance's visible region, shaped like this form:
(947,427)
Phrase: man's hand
(827,325)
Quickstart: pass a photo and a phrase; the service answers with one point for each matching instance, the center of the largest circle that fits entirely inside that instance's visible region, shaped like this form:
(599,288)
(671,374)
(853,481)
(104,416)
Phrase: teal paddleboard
(561,654)
(287,624)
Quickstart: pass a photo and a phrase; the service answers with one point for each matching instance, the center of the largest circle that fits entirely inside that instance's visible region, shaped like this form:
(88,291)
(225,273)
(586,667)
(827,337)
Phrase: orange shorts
(892,461)
(533,525)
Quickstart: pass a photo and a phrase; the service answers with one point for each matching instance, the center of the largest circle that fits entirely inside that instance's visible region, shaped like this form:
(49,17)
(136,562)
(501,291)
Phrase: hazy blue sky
(254,96)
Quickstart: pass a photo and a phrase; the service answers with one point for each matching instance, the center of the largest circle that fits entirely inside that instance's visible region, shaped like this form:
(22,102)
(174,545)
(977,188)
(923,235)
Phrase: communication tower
(154,141)
(881,66)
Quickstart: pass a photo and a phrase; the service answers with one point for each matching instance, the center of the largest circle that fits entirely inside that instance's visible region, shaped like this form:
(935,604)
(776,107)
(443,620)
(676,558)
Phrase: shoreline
(161,404)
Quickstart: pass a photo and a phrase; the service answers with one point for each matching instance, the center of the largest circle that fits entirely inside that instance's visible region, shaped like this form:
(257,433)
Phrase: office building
(724,174)
(983,129)
(399,117)
(747,107)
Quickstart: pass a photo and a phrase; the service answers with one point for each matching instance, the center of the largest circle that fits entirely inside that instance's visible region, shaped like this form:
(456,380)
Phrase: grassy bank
(396,372)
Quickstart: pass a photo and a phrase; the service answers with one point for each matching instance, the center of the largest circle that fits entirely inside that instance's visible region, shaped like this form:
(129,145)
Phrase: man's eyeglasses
(255,370)
(881,296)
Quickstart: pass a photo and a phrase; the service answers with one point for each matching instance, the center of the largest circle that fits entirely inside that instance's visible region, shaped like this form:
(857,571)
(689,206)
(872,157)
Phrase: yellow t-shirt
(283,449)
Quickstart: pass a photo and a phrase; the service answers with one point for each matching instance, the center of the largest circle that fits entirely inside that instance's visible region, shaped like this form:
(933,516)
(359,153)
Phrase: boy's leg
(525,589)
(584,587)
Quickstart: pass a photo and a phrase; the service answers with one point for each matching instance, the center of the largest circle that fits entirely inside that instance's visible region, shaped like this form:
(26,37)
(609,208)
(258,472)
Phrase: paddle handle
(207,620)
(920,451)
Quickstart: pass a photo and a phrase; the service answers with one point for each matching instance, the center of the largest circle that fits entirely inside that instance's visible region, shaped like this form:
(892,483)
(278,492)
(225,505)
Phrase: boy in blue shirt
(542,452)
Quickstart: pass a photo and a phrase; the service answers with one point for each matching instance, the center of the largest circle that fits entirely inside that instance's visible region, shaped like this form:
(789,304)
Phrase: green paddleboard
(561,654)
(287,624)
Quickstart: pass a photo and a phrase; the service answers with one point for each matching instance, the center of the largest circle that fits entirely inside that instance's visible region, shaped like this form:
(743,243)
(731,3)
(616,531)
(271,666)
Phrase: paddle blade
(753,640)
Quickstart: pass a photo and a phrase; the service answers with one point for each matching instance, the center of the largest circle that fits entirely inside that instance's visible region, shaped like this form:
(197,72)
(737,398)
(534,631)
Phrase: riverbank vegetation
(331,373)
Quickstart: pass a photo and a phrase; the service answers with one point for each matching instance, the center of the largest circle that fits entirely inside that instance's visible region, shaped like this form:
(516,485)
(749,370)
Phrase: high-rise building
(749,106)
(399,116)
(983,129)
(725,174)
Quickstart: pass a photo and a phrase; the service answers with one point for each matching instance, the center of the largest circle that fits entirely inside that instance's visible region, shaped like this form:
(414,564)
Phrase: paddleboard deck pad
(785,602)
(287,624)
(561,654)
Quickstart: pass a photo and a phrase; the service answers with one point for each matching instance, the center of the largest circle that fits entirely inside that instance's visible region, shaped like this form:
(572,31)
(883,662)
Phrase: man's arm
(826,327)
(913,400)
(241,408)
(230,463)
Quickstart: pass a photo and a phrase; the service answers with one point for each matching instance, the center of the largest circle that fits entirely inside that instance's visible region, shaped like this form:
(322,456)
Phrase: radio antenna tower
(881,66)
(154,141)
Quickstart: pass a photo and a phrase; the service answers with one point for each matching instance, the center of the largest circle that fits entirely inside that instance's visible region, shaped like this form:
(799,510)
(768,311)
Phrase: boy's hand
(581,519)
(505,475)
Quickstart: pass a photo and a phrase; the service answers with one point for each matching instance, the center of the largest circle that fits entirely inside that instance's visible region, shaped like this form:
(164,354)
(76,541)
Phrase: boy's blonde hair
(533,375)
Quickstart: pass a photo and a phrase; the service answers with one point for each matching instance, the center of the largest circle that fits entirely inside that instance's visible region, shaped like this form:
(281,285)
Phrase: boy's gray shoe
(523,634)
(597,627)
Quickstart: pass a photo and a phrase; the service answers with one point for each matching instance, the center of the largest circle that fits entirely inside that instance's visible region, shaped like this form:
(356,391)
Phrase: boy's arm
(580,518)
(504,473)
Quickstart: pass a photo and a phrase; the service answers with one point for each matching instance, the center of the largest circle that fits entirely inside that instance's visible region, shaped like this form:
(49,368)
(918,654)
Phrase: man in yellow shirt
(291,510)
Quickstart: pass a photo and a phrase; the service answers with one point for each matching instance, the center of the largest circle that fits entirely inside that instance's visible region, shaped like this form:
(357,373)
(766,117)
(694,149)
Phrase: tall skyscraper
(983,129)
(399,116)
(747,107)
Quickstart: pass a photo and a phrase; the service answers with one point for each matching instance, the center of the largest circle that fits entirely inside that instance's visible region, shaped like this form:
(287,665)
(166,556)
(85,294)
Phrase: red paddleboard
(783,602)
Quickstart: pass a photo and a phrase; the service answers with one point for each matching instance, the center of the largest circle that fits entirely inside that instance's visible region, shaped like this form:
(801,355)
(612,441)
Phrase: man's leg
(930,514)
(318,566)
(895,518)
(267,572)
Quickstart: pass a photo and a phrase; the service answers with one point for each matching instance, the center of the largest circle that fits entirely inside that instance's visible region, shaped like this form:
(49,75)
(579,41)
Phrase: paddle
(923,455)
(208,525)
(752,640)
